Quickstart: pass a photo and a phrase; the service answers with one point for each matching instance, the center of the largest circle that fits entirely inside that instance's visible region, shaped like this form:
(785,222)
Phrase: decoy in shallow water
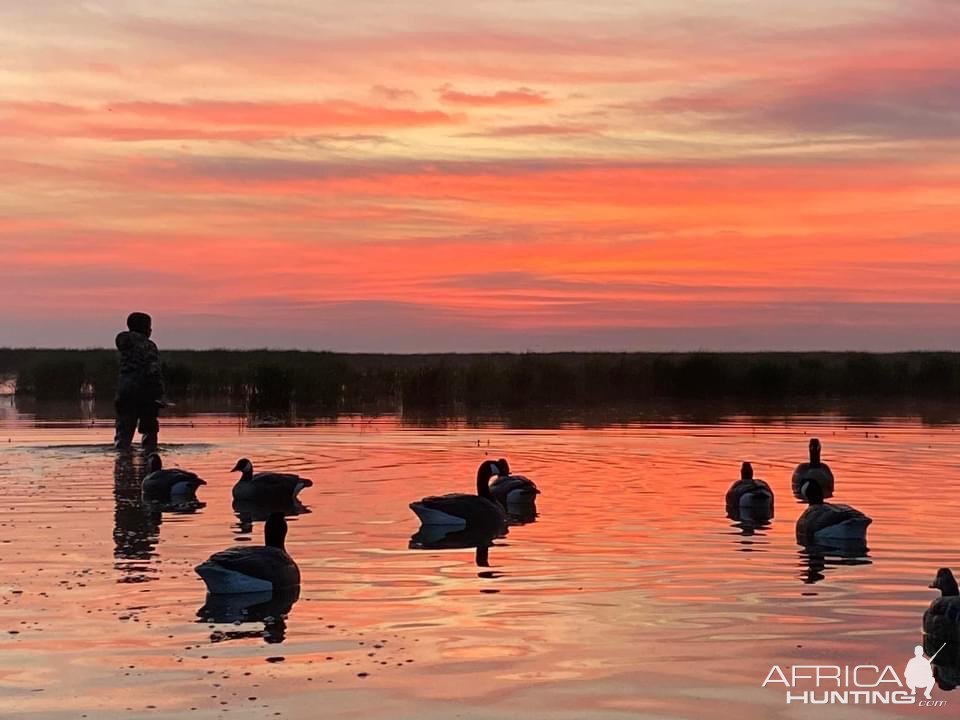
(168,484)
(266,487)
(259,568)
(828,524)
(815,471)
(749,495)
(942,618)
(478,511)
(509,489)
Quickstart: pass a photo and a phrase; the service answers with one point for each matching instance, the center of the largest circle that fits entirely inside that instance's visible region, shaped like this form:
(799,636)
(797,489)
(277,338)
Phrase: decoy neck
(244,466)
(504,467)
(275,531)
(814,452)
(487,469)
(946,583)
(746,471)
(812,492)
(154,463)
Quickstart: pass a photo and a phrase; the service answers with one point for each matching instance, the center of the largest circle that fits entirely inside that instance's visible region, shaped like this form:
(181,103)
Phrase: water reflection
(247,512)
(817,560)
(438,537)
(749,519)
(751,522)
(270,608)
(854,411)
(136,526)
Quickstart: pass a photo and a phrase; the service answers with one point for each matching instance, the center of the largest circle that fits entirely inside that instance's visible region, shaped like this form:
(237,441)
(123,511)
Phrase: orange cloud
(523,97)
(211,120)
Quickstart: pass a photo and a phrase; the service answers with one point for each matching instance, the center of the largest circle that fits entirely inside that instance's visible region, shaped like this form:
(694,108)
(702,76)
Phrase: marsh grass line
(263,381)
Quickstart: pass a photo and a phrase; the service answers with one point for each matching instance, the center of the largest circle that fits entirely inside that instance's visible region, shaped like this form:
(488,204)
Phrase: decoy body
(266,487)
(246,569)
(826,523)
(942,618)
(509,489)
(815,471)
(749,495)
(165,484)
(478,511)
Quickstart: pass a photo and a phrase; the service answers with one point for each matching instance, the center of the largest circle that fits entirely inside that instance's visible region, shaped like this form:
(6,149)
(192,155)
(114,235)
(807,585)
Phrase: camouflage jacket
(140,372)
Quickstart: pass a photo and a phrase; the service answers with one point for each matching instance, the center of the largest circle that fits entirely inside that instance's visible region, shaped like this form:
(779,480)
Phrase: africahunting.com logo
(858,684)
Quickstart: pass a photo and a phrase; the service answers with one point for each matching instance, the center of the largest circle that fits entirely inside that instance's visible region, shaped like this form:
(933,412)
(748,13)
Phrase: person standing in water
(140,385)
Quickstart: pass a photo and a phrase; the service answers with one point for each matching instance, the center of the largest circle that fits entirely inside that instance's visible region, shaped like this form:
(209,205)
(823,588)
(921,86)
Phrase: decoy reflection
(270,608)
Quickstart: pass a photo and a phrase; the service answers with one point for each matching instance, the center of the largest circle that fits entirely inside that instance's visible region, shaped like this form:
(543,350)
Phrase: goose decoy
(260,568)
(942,618)
(166,484)
(749,495)
(815,471)
(509,489)
(826,523)
(266,487)
(461,510)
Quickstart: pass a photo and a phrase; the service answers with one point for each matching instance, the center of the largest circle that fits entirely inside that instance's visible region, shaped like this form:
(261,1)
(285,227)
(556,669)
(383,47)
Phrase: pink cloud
(522,97)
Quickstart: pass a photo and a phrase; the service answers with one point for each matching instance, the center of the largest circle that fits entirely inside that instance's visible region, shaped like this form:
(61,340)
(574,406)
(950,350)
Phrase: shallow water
(631,596)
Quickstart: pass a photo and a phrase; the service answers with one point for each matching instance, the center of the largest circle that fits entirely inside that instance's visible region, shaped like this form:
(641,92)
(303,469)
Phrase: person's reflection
(136,526)
(270,608)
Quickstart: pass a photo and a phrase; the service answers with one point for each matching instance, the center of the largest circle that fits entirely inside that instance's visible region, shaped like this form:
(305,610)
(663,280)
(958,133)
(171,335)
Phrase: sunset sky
(424,176)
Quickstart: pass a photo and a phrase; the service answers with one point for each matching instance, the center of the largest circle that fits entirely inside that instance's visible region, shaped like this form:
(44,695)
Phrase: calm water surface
(631,596)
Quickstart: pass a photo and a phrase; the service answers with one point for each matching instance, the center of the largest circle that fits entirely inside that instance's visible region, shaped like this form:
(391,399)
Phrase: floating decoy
(942,618)
(478,511)
(509,489)
(815,471)
(260,568)
(266,487)
(749,495)
(826,523)
(166,484)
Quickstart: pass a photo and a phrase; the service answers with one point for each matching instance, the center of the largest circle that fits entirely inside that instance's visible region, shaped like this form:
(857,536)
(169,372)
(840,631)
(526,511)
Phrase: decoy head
(746,471)
(504,467)
(487,470)
(275,530)
(812,492)
(154,462)
(243,465)
(815,449)
(945,583)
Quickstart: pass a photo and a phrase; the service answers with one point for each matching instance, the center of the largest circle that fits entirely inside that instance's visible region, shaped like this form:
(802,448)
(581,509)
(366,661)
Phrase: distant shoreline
(276,380)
